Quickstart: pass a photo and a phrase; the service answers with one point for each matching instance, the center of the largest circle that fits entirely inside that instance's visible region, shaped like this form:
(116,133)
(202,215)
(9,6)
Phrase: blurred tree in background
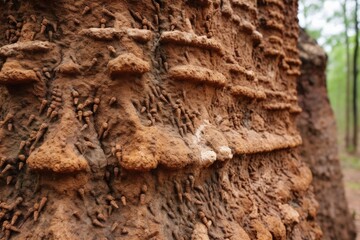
(333,23)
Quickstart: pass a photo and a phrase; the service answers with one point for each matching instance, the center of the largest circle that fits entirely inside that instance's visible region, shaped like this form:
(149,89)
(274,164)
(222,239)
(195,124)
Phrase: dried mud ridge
(151,120)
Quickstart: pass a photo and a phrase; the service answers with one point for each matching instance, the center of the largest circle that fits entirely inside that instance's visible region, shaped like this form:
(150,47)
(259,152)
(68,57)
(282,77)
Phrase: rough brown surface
(151,120)
(319,150)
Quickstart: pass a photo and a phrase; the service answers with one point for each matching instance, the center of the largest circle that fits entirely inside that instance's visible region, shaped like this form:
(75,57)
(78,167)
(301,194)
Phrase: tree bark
(355,74)
(348,79)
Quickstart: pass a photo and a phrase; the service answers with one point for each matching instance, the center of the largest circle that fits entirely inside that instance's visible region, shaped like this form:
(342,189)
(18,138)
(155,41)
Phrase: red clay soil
(151,120)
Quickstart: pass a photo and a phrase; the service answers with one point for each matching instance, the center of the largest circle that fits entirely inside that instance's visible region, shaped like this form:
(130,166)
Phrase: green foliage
(314,33)
(336,83)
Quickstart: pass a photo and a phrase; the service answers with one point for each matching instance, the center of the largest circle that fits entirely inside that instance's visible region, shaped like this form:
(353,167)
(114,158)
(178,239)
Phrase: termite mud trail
(152,120)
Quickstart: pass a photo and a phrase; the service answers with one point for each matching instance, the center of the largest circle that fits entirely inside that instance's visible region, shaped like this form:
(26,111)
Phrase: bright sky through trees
(323,19)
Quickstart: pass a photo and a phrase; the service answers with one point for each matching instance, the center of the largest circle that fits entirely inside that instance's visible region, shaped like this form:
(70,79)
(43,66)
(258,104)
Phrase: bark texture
(151,120)
(318,130)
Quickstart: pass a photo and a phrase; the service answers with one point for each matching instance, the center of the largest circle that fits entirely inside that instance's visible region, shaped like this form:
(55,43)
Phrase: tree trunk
(348,79)
(355,73)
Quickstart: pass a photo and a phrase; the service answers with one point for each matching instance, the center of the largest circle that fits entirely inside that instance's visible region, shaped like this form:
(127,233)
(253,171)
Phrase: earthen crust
(151,120)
